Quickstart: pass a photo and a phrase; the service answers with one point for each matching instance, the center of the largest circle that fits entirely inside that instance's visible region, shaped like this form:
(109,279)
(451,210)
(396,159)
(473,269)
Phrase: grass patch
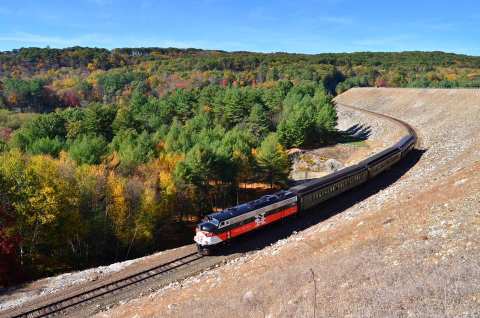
(356,144)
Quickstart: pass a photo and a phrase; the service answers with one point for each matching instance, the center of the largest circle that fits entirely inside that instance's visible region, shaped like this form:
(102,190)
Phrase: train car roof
(404,140)
(379,156)
(252,205)
(328,179)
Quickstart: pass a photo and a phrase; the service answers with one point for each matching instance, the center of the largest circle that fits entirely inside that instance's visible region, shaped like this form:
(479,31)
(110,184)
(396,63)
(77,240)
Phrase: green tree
(88,149)
(326,114)
(98,120)
(25,93)
(272,161)
(183,102)
(197,169)
(297,127)
(258,123)
(133,149)
(236,108)
(48,127)
(45,145)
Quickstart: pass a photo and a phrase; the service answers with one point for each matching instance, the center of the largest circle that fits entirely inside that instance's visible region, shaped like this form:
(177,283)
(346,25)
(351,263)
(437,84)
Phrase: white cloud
(55,41)
(202,44)
(110,42)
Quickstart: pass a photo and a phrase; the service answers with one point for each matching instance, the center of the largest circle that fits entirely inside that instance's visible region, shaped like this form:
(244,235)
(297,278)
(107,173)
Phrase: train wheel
(203,250)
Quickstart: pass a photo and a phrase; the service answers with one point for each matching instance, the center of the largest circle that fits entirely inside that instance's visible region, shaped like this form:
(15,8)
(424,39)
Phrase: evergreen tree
(98,120)
(133,149)
(257,122)
(88,149)
(272,161)
(297,127)
(234,108)
(45,145)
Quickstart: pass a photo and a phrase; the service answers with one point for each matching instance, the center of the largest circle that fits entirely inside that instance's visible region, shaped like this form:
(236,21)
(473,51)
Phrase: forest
(107,155)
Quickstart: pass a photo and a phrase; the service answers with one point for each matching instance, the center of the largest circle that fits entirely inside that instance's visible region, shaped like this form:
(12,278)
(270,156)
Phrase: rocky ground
(407,245)
(43,288)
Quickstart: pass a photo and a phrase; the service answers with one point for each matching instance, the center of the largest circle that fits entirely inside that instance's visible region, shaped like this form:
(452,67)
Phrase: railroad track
(397,121)
(109,288)
(389,118)
(402,123)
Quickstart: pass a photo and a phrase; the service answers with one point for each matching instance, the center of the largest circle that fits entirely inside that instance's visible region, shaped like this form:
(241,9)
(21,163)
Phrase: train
(220,227)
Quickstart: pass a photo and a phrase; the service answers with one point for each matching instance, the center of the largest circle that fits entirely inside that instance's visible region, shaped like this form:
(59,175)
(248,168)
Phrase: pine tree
(258,123)
(272,161)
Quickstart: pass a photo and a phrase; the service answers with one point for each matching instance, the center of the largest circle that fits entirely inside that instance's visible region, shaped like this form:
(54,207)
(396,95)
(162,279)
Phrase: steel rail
(108,288)
(409,128)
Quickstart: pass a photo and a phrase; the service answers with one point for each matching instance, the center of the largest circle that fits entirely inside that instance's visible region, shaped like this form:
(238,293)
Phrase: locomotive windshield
(213,221)
(207,226)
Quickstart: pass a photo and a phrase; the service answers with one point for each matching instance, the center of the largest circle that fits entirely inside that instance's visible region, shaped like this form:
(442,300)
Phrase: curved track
(61,304)
(402,123)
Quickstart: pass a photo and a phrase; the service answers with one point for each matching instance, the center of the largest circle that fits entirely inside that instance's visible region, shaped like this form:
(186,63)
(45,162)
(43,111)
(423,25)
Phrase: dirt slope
(405,246)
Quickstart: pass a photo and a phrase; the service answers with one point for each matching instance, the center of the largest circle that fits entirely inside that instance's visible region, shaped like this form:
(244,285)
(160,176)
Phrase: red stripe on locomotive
(242,229)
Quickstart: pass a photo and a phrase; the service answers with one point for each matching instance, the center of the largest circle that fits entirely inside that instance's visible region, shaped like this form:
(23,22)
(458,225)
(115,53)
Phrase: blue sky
(304,26)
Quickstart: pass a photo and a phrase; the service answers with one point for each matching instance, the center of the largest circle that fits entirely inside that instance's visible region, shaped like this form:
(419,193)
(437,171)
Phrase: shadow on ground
(270,234)
(355,133)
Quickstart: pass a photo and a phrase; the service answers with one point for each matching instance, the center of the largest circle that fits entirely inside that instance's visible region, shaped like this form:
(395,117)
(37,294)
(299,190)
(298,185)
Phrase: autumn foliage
(107,155)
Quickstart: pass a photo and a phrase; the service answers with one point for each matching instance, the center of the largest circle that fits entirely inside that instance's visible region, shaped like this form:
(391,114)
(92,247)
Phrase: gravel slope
(405,246)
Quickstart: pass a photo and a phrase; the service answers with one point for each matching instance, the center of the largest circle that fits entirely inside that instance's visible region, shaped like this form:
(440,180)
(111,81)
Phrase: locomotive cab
(206,227)
(205,236)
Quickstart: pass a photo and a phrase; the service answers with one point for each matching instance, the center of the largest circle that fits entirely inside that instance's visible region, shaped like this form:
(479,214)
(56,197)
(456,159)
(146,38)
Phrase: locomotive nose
(207,227)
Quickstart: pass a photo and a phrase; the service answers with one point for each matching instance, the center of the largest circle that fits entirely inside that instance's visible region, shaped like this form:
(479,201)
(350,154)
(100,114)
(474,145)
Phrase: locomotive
(223,226)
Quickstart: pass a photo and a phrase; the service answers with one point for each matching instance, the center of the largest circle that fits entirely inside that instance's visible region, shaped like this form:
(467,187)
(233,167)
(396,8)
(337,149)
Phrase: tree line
(41,80)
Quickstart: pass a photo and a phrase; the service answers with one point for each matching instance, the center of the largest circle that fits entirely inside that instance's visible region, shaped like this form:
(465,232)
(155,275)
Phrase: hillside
(406,245)
(43,79)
